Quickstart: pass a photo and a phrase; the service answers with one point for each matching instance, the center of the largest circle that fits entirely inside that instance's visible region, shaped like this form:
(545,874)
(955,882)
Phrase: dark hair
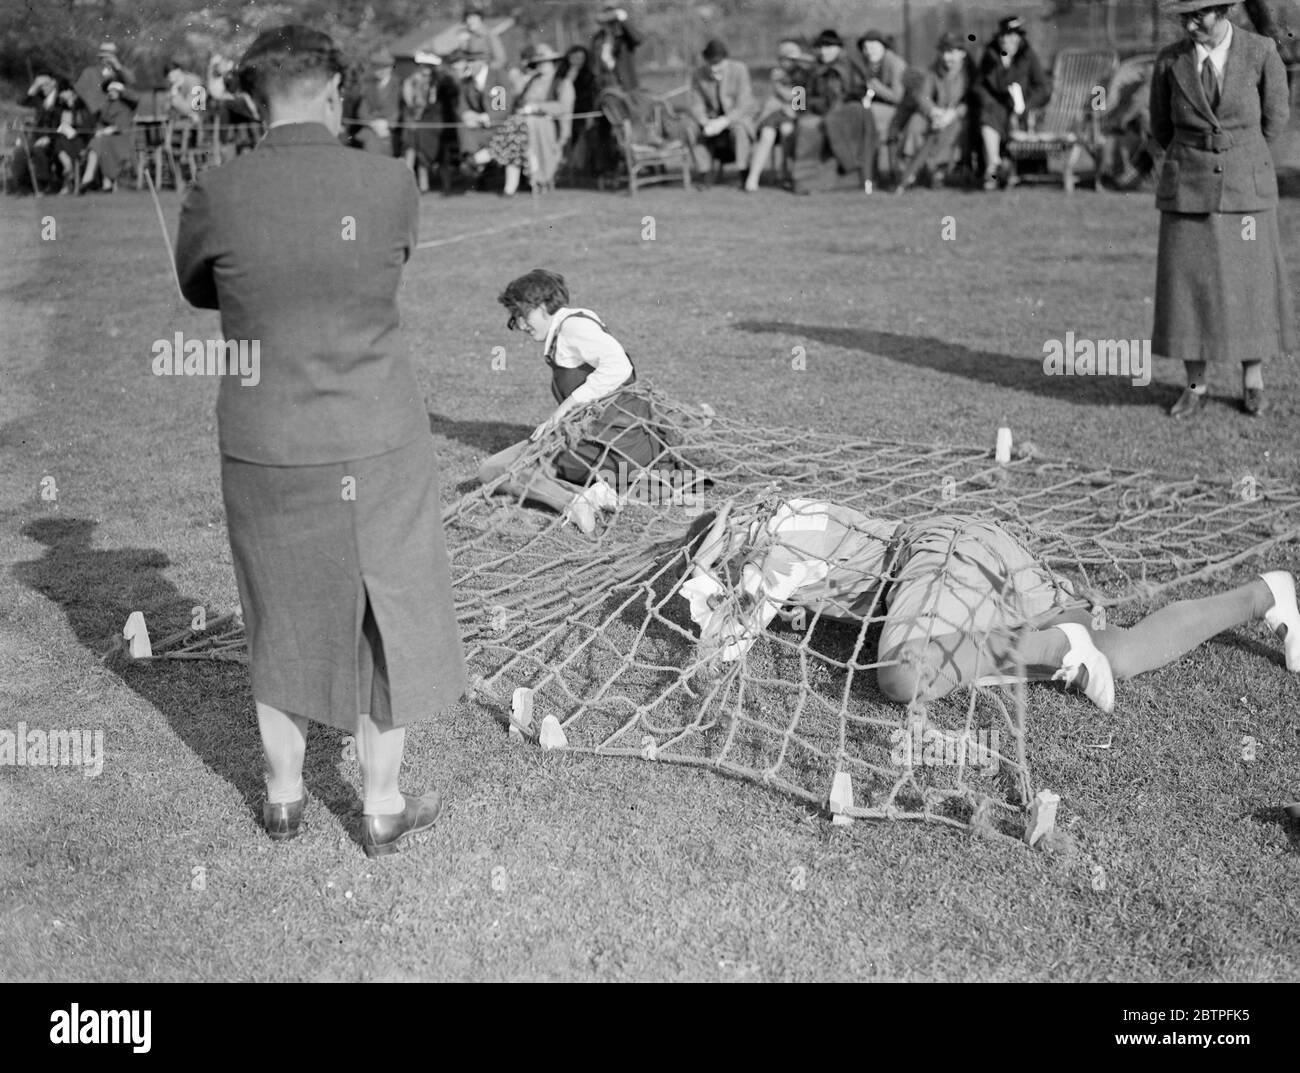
(287,55)
(173,65)
(540,287)
(715,51)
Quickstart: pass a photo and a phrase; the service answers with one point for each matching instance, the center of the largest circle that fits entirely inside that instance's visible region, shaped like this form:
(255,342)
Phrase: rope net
(640,643)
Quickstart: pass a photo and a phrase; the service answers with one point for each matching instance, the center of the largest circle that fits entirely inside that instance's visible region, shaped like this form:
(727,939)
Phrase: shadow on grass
(1274,814)
(207,704)
(984,366)
(486,436)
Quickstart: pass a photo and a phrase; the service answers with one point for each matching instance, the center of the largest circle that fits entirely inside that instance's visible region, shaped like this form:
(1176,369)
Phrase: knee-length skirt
(1221,295)
(345,587)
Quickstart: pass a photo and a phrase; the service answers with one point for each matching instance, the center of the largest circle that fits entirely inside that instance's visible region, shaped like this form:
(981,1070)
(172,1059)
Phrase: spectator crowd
(837,113)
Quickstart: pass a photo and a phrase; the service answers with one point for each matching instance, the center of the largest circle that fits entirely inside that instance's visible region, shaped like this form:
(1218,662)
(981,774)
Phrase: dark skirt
(625,432)
(1221,297)
(347,603)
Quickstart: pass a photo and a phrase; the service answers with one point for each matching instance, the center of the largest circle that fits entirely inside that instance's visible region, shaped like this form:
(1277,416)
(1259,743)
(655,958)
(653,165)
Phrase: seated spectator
(577,71)
(111,148)
(936,129)
(534,137)
(483,102)
(836,125)
(43,98)
(241,124)
(416,92)
(883,70)
(613,47)
(1011,84)
(437,139)
(722,104)
(776,117)
(380,109)
(73,125)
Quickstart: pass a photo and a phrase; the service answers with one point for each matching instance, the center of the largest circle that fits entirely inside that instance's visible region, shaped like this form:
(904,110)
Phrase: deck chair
(649,137)
(1070,123)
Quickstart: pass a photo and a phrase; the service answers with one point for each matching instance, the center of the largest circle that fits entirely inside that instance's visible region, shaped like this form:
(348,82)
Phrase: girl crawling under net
(961,601)
(587,365)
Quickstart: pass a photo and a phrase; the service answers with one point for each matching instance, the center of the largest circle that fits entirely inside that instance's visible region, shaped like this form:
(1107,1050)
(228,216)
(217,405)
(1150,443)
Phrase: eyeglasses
(1200,16)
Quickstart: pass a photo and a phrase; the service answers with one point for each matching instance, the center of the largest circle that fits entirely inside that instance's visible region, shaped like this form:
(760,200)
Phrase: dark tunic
(623,432)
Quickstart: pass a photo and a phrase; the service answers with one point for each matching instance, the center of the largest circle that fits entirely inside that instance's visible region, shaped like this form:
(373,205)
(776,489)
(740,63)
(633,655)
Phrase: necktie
(1209,83)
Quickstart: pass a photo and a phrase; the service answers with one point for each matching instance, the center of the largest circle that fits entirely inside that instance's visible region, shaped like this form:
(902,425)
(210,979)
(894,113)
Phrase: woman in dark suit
(1011,83)
(1218,97)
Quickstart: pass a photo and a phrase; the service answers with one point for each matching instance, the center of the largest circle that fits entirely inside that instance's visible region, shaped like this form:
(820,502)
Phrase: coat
(992,96)
(1219,161)
(347,601)
(733,96)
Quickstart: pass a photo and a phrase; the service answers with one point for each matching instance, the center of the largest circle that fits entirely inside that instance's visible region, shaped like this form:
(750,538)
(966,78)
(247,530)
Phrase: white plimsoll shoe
(1284,613)
(582,514)
(1086,657)
(602,496)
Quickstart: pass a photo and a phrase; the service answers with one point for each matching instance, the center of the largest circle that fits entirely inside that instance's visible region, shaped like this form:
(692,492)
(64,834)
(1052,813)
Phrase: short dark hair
(540,287)
(715,51)
(286,55)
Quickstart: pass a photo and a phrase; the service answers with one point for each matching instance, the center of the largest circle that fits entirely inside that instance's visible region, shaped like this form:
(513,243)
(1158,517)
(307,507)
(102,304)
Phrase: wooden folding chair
(1071,122)
(640,127)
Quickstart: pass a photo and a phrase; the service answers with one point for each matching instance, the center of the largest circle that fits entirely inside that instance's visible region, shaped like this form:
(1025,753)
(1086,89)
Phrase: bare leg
(762,153)
(284,744)
(513,175)
(992,151)
(92,161)
(1252,375)
(919,671)
(537,484)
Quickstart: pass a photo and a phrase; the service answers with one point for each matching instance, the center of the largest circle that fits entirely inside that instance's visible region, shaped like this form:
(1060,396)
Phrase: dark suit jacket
(262,238)
(1219,161)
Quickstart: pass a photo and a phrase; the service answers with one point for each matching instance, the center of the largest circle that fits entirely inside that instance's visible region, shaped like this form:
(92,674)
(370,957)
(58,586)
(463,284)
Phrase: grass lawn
(552,866)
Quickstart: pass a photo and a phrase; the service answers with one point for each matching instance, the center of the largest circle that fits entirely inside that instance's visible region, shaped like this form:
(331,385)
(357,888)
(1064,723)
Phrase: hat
(871,35)
(543,53)
(1012,24)
(950,43)
(607,13)
(114,84)
(107,49)
(426,59)
(790,50)
(1186,7)
(828,37)
(381,57)
(714,51)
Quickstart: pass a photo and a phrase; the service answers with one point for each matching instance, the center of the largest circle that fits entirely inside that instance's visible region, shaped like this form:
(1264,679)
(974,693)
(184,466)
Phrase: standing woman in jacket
(1011,83)
(1218,98)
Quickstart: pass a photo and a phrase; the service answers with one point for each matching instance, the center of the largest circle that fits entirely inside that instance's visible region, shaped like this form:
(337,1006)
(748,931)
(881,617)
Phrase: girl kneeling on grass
(587,364)
(963,601)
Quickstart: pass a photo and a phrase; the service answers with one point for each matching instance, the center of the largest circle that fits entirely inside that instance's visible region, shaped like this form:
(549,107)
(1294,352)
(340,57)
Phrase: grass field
(549,866)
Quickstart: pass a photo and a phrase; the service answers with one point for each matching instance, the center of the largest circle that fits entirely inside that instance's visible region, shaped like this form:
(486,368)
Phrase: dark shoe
(1252,402)
(381,834)
(283,820)
(1189,403)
